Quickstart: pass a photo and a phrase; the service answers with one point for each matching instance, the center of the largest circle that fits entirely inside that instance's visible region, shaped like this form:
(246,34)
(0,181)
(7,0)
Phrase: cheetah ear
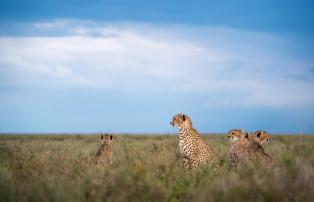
(246,135)
(102,136)
(110,137)
(183,117)
(258,134)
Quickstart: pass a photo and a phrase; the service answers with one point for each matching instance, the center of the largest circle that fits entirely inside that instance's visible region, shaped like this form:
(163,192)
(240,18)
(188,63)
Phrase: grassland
(147,168)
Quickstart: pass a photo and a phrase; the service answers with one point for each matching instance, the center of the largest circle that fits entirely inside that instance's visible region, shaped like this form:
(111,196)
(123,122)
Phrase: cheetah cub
(237,151)
(193,149)
(244,150)
(104,154)
(260,136)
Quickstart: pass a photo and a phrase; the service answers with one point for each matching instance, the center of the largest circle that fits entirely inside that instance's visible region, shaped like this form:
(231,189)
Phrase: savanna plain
(148,168)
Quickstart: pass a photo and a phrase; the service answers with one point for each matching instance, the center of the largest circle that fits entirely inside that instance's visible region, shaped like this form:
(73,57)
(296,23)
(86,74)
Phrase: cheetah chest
(183,147)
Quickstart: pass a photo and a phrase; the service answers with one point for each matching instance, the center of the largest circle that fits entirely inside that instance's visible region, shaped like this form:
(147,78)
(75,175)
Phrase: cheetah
(237,151)
(260,136)
(193,149)
(244,150)
(104,153)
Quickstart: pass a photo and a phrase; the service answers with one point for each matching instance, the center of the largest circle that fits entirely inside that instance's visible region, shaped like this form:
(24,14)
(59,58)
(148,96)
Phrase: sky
(129,66)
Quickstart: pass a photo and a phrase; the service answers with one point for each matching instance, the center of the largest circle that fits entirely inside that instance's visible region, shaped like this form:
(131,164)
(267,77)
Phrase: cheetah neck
(105,147)
(185,131)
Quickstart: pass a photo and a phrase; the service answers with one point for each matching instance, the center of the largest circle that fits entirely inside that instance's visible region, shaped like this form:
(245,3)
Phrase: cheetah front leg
(194,163)
(233,161)
(186,164)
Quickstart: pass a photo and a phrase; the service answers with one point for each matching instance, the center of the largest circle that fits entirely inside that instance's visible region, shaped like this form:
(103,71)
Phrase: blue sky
(129,66)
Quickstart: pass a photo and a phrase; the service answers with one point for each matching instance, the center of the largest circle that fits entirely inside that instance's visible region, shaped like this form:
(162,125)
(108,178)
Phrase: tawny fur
(260,136)
(193,149)
(246,150)
(104,153)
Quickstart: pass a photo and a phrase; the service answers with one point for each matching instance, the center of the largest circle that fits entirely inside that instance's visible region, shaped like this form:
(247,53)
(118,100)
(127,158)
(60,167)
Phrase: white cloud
(214,61)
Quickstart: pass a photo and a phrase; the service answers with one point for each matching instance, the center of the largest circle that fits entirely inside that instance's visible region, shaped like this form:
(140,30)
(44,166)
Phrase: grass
(147,168)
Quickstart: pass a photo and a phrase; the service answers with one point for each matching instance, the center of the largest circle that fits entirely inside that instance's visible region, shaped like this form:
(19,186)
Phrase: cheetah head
(261,136)
(105,139)
(179,120)
(235,135)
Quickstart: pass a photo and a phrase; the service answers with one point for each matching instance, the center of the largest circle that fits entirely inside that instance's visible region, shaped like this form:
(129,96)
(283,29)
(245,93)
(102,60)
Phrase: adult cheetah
(244,150)
(193,149)
(104,153)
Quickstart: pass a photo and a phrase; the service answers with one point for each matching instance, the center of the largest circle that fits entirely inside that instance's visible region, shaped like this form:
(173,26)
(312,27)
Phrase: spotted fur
(244,150)
(260,136)
(237,151)
(193,149)
(104,154)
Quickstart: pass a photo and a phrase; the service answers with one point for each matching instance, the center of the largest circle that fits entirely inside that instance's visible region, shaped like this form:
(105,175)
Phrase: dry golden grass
(146,168)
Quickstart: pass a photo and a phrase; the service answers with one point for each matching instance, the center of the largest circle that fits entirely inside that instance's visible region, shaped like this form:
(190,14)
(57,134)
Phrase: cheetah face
(235,135)
(105,139)
(261,136)
(178,120)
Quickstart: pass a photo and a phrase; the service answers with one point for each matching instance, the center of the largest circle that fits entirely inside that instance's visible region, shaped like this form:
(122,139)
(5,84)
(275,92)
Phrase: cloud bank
(230,67)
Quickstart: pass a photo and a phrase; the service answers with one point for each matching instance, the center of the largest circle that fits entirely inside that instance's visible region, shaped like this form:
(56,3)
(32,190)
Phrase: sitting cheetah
(237,151)
(193,149)
(243,150)
(260,136)
(104,154)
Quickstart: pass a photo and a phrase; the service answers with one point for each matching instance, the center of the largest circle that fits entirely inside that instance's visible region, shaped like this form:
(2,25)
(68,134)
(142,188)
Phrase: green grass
(146,168)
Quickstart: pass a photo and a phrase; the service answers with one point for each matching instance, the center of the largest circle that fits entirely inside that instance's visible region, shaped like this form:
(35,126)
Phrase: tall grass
(147,168)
